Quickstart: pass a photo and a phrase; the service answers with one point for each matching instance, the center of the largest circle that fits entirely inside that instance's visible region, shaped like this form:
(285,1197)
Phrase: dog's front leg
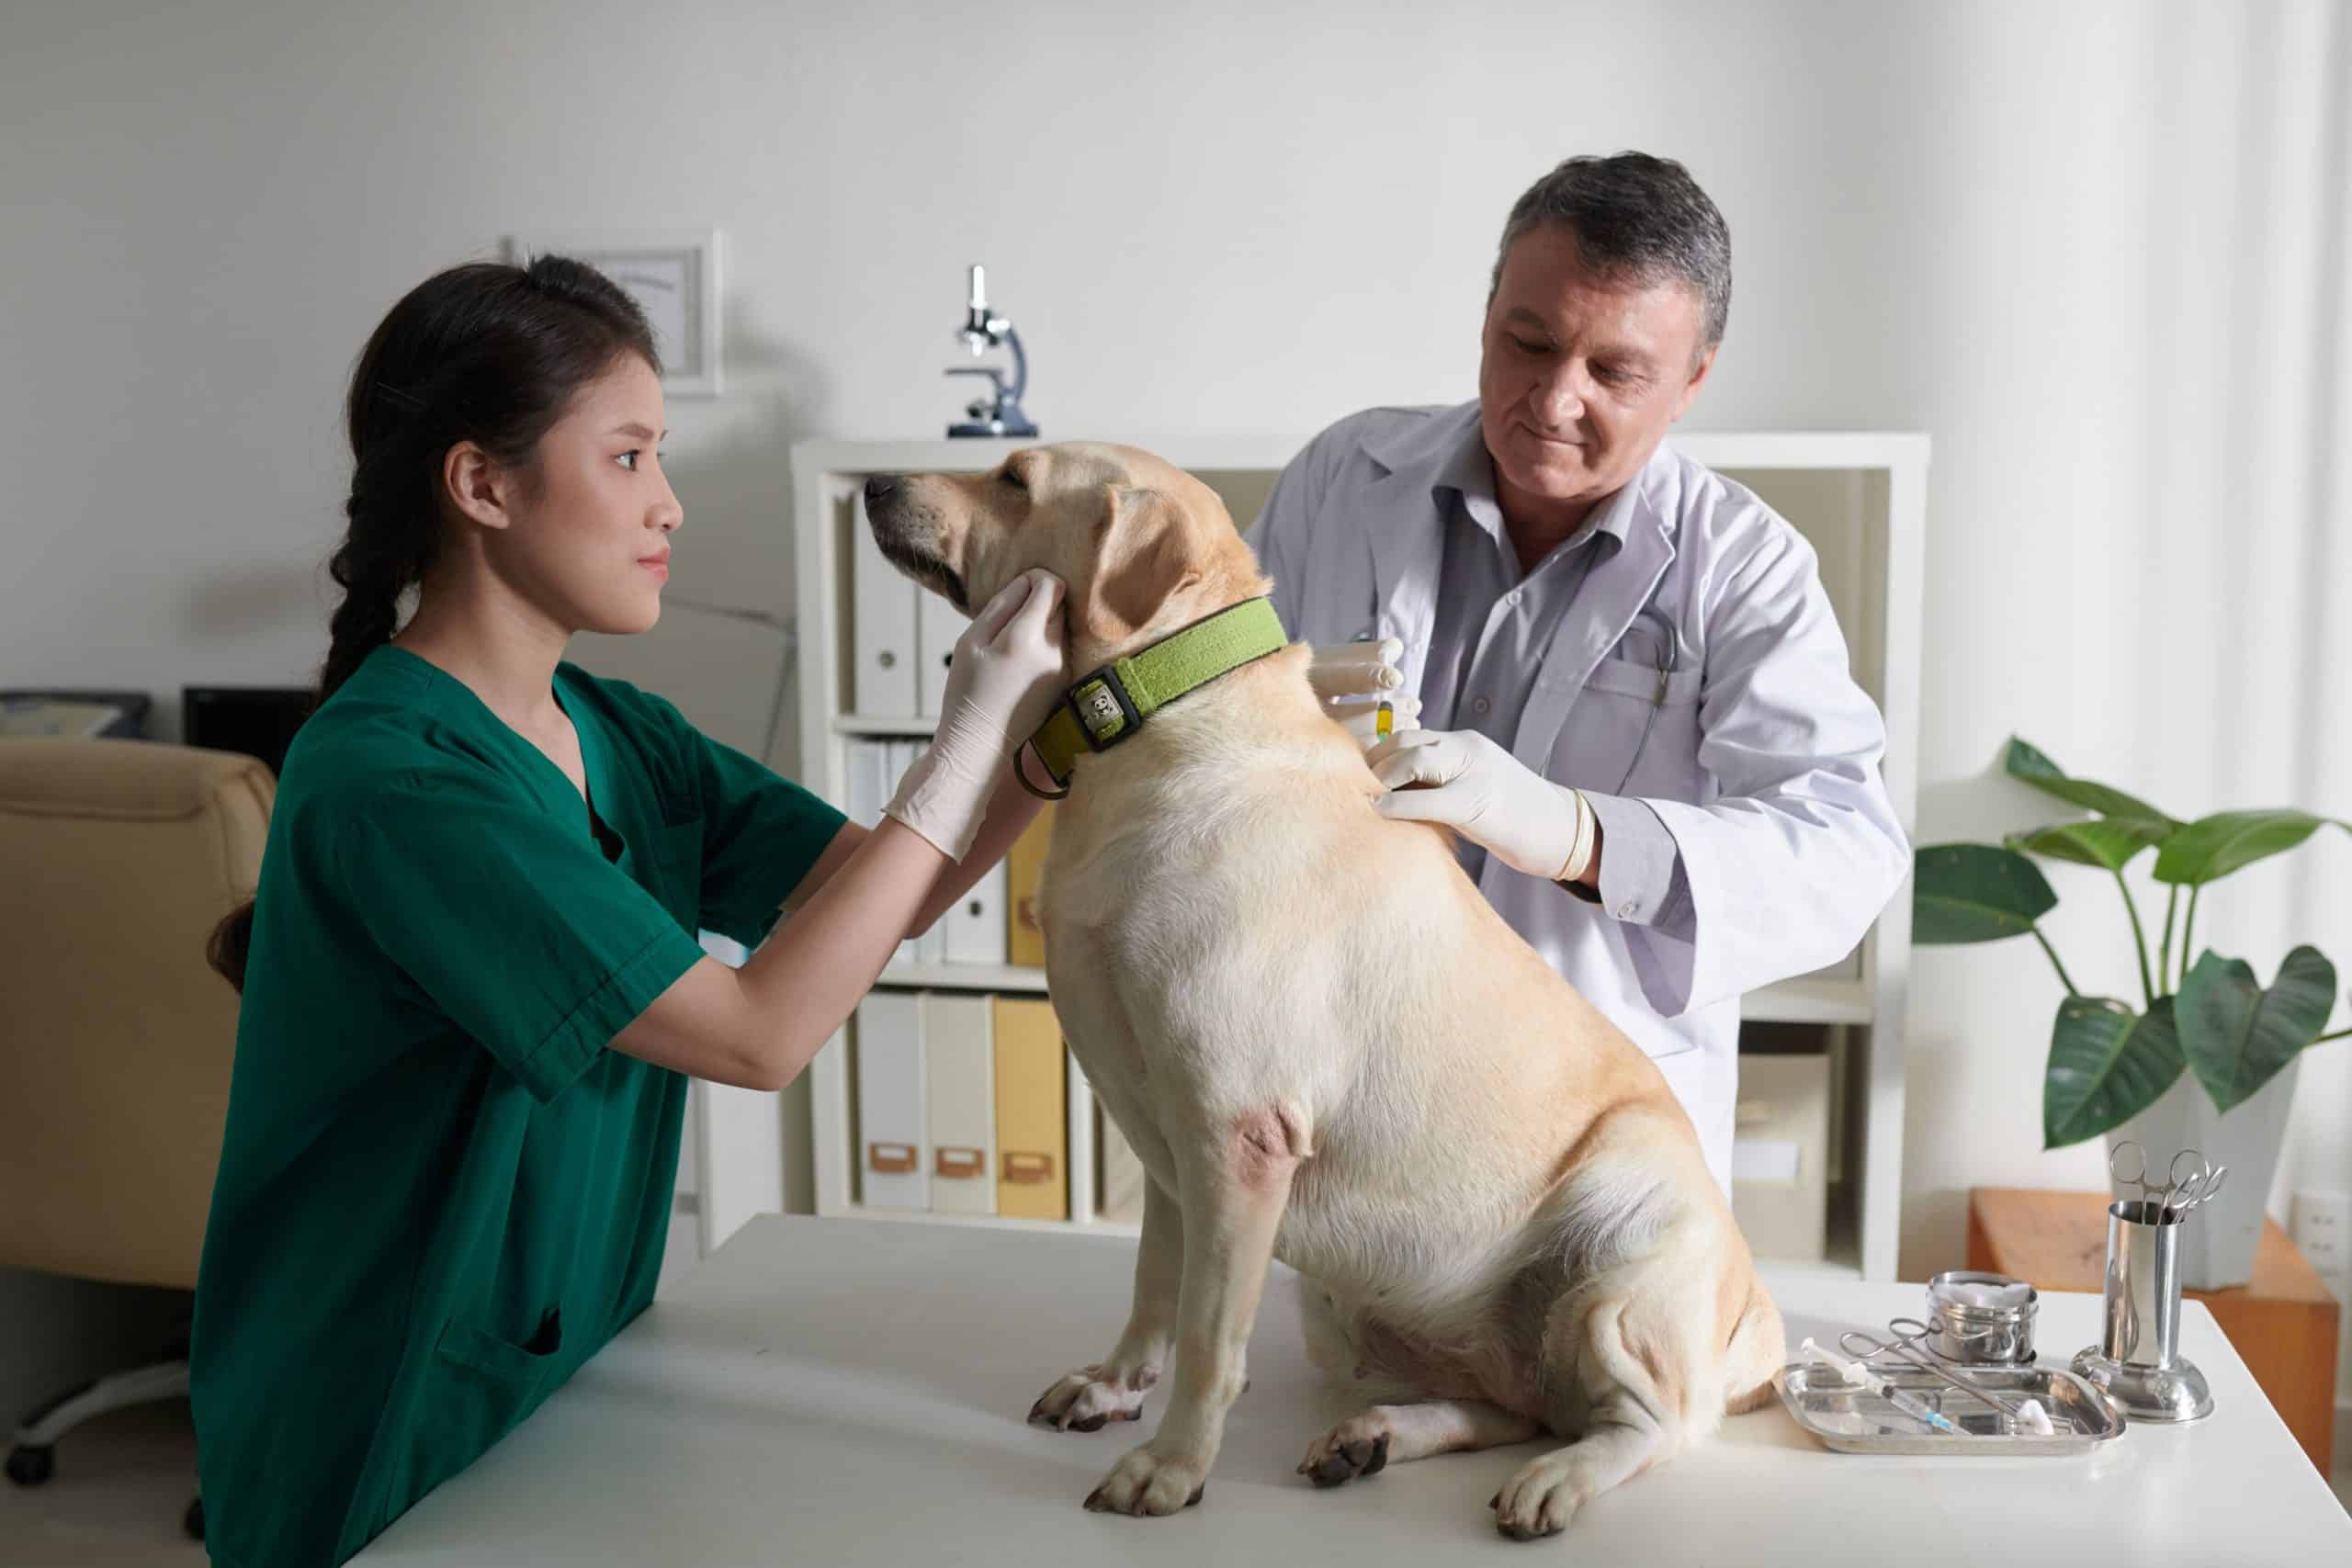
(1233,1183)
(1114,1390)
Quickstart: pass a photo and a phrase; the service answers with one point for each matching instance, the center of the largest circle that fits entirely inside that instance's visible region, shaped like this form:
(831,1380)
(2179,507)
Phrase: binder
(869,790)
(974,930)
(1024,865)
(1123,1173)
(937,625)
(1032,1157)
(882,625)
(959,1077)
(898,756)
(892,1146)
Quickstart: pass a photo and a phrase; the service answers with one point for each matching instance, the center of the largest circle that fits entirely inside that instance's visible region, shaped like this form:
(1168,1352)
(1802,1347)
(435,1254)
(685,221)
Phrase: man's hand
(1350,678)
(1465,781)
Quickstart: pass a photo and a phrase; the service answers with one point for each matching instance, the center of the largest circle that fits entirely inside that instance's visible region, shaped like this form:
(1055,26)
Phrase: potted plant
(2206,1060)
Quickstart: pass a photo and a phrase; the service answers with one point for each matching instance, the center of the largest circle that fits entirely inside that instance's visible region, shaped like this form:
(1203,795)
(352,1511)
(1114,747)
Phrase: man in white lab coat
(1637,708)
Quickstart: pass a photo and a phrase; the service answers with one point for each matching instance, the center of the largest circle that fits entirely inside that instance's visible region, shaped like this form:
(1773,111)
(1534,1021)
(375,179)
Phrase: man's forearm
(1648,886)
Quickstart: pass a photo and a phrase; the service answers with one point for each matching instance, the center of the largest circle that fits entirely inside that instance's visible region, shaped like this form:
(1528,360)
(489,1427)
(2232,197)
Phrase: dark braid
(483,353)
(375,564)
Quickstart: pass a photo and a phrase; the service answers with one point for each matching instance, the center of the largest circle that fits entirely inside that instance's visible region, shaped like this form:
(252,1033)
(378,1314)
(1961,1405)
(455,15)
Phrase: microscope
(982,332)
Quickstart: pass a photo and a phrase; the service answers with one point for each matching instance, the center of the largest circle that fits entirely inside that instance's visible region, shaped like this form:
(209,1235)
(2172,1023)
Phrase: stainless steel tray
(1854,1420)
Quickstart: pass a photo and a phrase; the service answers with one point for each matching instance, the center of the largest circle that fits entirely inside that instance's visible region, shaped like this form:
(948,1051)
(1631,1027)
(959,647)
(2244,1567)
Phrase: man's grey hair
(1636,217)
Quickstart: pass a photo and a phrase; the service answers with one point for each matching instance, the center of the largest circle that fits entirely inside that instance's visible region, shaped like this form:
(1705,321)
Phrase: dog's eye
(1013,477)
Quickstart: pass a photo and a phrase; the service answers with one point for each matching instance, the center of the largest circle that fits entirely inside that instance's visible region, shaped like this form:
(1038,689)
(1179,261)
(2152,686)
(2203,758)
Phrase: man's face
(1580,374)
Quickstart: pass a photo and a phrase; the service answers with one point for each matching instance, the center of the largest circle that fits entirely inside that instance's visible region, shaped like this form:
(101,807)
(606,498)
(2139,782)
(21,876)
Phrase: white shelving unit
(1859,498)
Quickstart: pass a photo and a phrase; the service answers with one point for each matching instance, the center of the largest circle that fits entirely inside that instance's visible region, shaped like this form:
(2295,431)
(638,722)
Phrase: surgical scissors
(2204,1194)
(1910,1347)
(2187,1191)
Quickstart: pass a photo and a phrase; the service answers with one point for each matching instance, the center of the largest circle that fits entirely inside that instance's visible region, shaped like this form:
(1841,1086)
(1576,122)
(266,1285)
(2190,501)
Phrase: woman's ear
(478,488)
(1143,553)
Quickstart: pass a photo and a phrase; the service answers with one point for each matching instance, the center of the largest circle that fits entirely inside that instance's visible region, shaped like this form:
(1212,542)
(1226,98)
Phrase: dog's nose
(880,488)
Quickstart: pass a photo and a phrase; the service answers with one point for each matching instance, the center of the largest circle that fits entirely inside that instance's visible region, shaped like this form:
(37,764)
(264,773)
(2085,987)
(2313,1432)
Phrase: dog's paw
(1147,1481)
(1083,1399)
(1357,1446)
(1543,1497)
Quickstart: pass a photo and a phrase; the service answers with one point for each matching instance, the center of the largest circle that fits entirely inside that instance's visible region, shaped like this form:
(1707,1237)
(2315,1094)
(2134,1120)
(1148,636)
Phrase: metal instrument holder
(2137,1362)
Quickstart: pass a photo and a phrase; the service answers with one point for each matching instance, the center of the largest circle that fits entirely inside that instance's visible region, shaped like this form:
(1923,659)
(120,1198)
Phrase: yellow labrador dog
(1327,1047)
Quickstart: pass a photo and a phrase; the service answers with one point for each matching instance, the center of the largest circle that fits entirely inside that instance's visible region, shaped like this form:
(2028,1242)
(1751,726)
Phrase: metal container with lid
(1981,1320)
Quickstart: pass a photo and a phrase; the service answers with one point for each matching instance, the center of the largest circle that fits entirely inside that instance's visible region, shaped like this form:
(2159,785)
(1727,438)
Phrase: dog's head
(1142,548)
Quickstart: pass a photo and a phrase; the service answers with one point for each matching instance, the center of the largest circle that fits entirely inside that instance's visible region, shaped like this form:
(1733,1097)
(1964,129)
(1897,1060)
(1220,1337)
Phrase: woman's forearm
(1010,810)
(809,975)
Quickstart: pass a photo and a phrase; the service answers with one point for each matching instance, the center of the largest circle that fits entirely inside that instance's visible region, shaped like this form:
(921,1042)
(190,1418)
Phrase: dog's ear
(1143,553)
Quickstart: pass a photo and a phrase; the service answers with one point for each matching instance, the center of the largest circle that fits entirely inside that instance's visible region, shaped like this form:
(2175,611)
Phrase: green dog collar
(1110,705)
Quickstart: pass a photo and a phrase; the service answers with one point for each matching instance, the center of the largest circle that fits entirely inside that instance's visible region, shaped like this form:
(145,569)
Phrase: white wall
(2081,246)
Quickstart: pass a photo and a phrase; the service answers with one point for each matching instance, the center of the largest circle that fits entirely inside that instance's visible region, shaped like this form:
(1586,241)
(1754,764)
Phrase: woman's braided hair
(485,352)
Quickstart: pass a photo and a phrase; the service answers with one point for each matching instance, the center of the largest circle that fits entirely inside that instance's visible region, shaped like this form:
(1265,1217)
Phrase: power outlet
(2322,1227)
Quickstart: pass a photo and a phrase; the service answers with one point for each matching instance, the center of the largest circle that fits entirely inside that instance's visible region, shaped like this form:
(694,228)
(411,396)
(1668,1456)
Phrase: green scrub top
(439,1193)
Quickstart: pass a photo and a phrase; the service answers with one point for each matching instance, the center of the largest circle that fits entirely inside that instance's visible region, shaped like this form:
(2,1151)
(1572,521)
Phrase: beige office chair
(117,859)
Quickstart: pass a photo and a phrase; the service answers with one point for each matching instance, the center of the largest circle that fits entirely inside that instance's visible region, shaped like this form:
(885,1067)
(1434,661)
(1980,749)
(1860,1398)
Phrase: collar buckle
(1106,715)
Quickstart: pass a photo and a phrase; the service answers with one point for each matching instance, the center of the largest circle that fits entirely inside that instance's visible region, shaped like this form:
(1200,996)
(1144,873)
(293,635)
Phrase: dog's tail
(1758,1350)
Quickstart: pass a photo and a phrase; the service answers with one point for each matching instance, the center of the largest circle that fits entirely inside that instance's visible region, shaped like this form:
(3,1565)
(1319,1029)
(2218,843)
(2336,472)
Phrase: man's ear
(1143,553)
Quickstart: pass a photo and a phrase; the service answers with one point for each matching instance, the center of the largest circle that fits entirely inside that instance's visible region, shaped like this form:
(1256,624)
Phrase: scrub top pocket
(477,1387)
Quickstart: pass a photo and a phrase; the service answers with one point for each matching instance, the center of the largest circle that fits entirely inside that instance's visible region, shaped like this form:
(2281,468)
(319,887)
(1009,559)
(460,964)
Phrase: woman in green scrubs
(473,994)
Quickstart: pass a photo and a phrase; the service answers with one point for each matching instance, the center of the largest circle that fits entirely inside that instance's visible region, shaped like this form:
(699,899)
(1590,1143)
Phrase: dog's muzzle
(895,519)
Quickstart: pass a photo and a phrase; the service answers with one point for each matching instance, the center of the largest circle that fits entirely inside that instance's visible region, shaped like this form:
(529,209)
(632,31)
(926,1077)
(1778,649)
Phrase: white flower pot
(2217,1245)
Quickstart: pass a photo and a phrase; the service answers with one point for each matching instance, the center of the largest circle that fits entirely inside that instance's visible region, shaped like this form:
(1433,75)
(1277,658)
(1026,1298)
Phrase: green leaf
(1974,893)
(2031,765)
(2109,844)
(2107,1064)
(2236,1035)
(2211,847)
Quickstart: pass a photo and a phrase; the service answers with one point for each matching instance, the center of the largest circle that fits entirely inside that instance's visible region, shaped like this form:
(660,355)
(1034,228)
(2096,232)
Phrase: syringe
(1911,1404)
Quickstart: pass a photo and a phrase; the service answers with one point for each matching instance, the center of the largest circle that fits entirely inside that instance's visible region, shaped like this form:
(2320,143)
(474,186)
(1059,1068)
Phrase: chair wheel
(31,1465)
(193,1520)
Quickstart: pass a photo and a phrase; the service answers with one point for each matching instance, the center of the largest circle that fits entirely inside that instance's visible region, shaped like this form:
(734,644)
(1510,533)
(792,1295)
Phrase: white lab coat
(1760,762)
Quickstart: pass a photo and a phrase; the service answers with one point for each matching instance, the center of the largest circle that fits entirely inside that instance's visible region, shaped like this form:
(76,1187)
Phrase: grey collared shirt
(1494,624)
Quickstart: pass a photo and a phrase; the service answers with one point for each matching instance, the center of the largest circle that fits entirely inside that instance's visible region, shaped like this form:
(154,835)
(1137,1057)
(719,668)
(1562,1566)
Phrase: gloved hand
(1489,797)
(1004,678)
(1350,678)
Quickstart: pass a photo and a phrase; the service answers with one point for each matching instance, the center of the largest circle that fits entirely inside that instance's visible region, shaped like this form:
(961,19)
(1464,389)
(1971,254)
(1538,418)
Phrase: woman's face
(588,533)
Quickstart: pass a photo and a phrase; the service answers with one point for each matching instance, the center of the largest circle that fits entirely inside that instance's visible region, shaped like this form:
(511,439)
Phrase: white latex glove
(1473,785)
(1004,678)
(1350,677)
